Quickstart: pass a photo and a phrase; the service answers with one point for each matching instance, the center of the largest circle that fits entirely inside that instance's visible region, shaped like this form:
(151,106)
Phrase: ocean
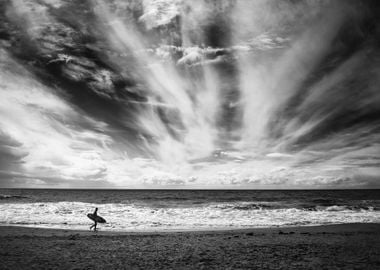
(167,210)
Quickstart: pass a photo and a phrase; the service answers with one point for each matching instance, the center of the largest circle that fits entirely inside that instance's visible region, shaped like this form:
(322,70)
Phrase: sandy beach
(348,246)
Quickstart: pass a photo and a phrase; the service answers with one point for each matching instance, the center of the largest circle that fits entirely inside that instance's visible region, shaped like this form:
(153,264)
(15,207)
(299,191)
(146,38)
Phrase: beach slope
(348,246)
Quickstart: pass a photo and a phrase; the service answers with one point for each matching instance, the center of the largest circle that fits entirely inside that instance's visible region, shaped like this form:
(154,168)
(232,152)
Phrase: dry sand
(349,246)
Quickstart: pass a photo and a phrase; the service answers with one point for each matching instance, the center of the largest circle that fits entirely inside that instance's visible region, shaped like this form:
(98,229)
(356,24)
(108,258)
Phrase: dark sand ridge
(347,246)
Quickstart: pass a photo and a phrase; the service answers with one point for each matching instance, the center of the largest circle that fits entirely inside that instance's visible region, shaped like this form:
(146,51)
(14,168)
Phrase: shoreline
(348,246)
(342,227)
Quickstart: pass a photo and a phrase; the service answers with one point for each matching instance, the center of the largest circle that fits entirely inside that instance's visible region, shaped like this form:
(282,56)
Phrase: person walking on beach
(97,219)
(94,216)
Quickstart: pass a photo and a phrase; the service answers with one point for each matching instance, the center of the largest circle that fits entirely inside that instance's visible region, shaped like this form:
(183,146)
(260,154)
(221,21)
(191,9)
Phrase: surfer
(94,218)
(97,219)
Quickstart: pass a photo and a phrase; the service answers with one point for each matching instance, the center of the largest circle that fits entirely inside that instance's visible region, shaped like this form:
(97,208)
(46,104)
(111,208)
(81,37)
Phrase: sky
(189,94)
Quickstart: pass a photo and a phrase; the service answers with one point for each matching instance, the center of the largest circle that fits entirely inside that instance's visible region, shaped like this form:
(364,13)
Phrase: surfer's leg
(96,223)
(92,226)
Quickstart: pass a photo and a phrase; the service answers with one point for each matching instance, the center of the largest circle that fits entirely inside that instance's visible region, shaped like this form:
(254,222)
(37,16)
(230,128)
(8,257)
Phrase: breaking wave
(135,217)
(9,197)
(304,207)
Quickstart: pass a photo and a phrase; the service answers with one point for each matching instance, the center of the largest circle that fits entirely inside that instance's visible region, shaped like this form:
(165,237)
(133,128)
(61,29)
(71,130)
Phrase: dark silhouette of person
(95,214)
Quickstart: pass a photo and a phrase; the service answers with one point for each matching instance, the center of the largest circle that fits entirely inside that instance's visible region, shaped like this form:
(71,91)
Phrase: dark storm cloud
(346,97)
(339,96)
(56,44)
(11,152)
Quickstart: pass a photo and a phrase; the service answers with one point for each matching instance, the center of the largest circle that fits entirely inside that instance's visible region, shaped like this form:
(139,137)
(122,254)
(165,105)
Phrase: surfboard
(98,219)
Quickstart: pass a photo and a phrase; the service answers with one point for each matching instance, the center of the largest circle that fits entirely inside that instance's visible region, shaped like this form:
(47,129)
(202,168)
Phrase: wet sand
(348,246)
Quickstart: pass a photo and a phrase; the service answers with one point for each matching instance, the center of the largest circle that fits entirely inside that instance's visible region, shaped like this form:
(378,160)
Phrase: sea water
(161,210)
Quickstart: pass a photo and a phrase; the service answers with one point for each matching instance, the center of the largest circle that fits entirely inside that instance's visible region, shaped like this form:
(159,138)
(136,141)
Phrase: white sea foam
(130,217)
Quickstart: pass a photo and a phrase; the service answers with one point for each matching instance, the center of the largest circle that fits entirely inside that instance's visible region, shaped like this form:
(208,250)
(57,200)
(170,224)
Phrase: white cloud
(47,127)
(48,140)
(159,12)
